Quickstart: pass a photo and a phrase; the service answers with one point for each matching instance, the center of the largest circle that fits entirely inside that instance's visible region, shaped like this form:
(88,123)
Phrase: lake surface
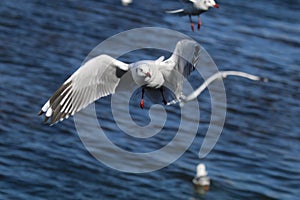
(257,155)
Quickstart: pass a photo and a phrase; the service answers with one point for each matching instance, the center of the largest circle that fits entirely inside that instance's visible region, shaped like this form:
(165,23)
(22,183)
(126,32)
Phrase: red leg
(163,96)
(142,103)
(199,22)
(192,23)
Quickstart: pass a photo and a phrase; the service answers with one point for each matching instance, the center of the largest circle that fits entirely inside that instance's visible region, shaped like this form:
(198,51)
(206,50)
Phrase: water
(257,155)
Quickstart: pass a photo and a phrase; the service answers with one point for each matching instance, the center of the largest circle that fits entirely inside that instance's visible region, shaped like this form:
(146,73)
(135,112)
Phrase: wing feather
(97,78)
(180,65)
(187,1)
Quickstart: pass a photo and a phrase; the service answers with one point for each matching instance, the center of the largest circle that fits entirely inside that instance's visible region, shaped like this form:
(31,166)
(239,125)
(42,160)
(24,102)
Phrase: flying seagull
(160,79)
(100,76)
(194,7)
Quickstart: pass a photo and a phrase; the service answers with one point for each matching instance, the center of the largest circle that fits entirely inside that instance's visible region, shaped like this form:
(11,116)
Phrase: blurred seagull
(126,2)
(100,76)
(195,7)
(201,179)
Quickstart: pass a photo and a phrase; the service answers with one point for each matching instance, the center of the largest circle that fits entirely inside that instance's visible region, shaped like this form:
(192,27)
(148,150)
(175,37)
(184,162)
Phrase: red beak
(148,74)
(216,6)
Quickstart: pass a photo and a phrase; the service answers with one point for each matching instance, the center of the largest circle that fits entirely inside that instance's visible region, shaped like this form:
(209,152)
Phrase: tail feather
(179,11)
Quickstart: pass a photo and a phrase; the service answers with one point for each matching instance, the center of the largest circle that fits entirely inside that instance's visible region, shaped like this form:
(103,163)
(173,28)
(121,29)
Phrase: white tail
(175,11)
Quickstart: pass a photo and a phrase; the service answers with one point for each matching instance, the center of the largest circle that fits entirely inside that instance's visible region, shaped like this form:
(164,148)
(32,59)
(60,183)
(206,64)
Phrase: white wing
(180,65)
(97,78)
(216,76)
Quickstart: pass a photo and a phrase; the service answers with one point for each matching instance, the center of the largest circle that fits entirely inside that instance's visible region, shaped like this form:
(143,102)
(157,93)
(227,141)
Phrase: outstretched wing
(180,65)
(97,78)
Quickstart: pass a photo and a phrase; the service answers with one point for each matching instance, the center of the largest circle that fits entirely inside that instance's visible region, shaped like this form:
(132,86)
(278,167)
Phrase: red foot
(199,23)
(142,104)
(193,27)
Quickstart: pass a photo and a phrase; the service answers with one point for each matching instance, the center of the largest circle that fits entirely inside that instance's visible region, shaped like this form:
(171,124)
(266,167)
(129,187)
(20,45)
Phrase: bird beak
(216,6)
(148,74)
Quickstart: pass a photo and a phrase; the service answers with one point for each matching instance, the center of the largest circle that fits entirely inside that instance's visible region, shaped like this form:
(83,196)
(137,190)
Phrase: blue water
(257,155)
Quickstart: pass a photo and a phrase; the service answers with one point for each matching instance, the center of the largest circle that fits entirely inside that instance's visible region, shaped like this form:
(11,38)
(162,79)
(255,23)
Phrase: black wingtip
(265,80)
(46,120)
(40,113)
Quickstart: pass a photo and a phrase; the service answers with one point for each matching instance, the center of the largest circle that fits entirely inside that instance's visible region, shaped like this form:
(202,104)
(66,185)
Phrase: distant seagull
(201,180)
(126,2)
(101,75)
(195,7)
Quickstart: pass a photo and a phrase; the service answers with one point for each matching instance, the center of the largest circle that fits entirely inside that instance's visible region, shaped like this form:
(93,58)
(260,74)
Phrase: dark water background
(257,155)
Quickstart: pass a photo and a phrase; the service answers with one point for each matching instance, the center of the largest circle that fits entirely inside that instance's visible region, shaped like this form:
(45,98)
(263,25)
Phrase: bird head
(143,70)
(201,170)
(206,4)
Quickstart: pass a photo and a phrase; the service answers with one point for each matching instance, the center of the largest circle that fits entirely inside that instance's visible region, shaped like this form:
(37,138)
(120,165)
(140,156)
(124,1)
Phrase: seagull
(101,75)
(158,79)
(195,7)
(126,2)
(201,179)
